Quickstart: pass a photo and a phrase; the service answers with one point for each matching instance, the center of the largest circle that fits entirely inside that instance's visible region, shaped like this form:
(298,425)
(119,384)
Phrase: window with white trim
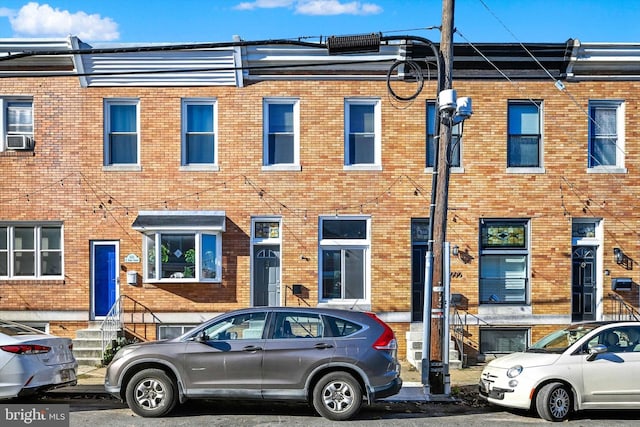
(199,144)
(363,134)
(31,251)
(456,138)
(504,261)
(167,332)
(281,144)
(121,132)
(606,135)
(503,340)
(344,258)
(184,256)
(16,123)
(524,142)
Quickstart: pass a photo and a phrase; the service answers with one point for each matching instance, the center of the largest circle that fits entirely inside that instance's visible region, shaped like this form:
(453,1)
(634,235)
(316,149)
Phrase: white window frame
(199,166)
(295,165)
(526,333)
(528,169)
(156,237)
(619,167)
(526,252)
(108,164)
(377,150)
(4,119)
(343,244)
(37,250)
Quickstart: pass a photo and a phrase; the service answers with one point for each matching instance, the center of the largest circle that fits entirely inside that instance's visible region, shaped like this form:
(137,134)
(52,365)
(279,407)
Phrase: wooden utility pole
(439,219)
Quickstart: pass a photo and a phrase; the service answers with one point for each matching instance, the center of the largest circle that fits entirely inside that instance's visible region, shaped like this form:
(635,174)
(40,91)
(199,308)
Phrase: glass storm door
(266,276)
(583,283)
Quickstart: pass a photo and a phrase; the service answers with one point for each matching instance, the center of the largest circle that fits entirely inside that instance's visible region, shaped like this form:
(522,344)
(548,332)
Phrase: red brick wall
(64,180)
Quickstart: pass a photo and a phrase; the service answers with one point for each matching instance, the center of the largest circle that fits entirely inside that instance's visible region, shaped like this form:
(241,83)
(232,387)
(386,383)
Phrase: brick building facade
(277,174)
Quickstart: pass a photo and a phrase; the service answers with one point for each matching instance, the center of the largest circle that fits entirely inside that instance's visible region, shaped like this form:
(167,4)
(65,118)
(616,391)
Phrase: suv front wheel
(151,393)
(337,396)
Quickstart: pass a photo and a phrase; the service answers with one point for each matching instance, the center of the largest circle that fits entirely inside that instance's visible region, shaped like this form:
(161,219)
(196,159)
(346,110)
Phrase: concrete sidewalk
(91,381)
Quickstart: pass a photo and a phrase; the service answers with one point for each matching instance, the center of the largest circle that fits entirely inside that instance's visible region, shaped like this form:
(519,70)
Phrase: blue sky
(180,21)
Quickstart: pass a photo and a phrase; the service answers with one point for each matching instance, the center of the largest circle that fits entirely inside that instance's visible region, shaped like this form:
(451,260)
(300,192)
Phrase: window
(504,261)
(167,332)
(456,138)
(199,132)
(524,144)
(363,146)
(121,129)
(183,256)
(344,254)
(606,135)
(16,124)
(281,133)
(28,251)
(298,325)
(503,340)
(237,327)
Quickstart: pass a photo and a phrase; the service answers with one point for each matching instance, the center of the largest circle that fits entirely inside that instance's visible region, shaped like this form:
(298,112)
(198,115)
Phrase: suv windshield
(559,341)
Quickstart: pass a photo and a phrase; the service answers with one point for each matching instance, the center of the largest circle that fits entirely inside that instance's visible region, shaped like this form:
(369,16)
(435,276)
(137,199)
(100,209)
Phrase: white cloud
(335,7)
(264,4)
(36,20)
(5,11)
(315,7)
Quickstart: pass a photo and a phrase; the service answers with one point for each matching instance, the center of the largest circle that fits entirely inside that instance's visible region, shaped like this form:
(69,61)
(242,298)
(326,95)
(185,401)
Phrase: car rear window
(338,327)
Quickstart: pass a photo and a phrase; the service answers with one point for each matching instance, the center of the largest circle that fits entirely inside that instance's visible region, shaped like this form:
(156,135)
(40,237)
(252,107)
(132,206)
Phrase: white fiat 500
(584,366)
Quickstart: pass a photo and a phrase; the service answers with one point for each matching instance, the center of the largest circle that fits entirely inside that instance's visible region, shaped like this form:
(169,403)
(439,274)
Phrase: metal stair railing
(623,310)
(114,322)
(460,328)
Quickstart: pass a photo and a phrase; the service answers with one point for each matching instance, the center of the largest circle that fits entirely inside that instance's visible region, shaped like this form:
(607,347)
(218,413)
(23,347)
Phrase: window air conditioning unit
(19,142)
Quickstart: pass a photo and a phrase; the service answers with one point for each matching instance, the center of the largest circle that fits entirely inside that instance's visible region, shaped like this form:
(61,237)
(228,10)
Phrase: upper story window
(345,259)
(504,261)
(606,136)
(31,251)
(16,126)
(199,143)
(281,134)
(122,133)
(363,129)
(456,138)
(524,144)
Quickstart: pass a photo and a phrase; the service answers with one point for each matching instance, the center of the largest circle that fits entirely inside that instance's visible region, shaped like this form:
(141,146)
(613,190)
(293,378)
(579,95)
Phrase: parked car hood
(526,360)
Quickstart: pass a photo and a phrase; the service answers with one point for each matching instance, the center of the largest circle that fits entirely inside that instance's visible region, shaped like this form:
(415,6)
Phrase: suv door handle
(322,346)
(252,348)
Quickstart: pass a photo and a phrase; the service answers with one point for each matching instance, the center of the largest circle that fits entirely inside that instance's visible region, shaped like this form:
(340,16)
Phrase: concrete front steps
(87,346)
(414,348)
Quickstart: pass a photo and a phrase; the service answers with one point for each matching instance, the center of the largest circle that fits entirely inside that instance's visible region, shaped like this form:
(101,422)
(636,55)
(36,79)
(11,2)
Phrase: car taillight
(386,341)
(25,349)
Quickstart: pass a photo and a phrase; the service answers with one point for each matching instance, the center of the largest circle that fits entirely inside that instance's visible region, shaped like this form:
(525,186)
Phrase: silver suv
(334,359)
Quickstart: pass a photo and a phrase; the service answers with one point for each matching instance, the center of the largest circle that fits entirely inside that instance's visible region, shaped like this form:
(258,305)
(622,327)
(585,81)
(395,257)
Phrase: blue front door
(104,277)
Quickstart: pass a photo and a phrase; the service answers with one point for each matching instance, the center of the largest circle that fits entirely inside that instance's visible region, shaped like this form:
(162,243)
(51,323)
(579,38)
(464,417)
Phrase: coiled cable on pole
(417,71)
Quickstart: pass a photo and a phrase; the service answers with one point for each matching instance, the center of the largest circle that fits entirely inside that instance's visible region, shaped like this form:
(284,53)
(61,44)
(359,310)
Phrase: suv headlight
(514,371)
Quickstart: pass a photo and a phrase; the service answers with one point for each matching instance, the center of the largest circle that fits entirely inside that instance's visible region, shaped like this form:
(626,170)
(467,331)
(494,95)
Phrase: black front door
(583,283)
(418,256)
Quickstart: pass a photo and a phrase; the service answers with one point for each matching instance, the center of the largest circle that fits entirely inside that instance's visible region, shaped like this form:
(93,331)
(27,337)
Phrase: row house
(163,184)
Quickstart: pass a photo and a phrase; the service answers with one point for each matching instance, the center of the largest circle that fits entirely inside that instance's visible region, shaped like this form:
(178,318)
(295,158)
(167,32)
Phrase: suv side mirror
(201,337)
